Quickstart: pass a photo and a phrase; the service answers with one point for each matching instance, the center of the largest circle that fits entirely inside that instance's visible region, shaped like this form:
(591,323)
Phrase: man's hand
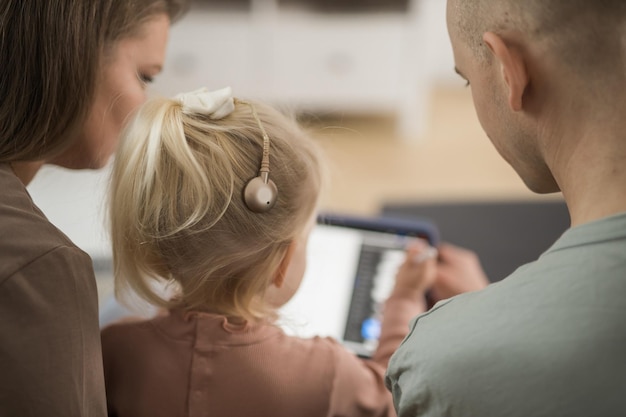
(458,271)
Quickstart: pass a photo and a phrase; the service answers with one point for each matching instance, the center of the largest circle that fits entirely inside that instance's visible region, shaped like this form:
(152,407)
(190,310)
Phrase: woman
(73,71)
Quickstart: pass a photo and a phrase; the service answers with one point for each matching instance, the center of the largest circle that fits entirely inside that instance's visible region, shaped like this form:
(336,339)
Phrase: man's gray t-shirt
(549,340)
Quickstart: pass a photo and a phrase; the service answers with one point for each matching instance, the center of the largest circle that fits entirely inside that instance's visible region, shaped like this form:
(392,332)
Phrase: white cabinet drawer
(208,49)
(342,62)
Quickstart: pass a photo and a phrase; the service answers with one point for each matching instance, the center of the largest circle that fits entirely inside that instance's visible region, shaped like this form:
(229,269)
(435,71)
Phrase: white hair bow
(216,104)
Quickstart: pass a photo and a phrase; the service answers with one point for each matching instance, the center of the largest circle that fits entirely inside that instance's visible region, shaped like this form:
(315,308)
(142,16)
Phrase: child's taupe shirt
(197,364)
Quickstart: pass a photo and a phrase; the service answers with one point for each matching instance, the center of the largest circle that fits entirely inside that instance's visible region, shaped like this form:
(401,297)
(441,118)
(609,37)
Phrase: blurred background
(374,82)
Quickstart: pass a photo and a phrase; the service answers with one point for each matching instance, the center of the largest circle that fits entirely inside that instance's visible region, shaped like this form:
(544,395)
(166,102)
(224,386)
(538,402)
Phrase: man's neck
(593,177)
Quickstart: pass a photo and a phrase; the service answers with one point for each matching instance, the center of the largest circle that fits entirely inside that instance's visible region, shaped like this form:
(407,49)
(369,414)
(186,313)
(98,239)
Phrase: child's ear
(279,277)
(512,67)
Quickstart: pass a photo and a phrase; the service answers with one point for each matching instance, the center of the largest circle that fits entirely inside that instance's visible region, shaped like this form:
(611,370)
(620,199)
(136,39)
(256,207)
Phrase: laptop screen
(351,267)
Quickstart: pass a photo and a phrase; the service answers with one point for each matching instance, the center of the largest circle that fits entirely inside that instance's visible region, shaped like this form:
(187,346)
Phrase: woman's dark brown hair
(51,53)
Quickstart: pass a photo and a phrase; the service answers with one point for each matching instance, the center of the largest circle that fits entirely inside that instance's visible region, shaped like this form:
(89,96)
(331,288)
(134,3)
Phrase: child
(190,207)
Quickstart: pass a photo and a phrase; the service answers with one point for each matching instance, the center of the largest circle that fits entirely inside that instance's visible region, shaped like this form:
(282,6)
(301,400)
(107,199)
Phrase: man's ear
(512,67)
(279,277)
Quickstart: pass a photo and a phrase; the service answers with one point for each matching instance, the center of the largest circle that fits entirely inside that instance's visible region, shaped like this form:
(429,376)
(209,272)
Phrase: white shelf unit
(347,63)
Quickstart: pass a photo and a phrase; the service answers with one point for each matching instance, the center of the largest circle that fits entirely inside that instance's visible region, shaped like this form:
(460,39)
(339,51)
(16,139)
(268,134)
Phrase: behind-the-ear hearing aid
(260,193)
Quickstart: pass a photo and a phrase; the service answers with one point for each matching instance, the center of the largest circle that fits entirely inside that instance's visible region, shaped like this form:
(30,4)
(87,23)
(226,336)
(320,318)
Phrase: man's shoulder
(476,352)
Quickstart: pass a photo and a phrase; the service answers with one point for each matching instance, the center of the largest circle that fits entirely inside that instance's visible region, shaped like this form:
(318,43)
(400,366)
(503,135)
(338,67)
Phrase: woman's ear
(279,277)
(512,67)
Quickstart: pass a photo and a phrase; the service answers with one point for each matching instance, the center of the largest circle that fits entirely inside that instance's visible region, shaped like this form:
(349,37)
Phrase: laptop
(351,267)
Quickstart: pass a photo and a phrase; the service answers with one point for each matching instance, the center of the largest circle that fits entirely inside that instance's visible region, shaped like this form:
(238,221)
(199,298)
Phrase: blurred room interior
(372,79)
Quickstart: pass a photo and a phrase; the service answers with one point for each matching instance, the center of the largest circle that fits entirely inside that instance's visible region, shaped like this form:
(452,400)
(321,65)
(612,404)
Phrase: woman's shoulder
(26,234)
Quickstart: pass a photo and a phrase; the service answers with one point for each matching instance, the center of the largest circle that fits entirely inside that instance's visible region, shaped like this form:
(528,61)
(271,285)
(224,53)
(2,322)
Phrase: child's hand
(418,272)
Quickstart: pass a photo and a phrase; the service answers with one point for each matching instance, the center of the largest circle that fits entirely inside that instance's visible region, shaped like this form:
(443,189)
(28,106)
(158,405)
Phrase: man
(548,80)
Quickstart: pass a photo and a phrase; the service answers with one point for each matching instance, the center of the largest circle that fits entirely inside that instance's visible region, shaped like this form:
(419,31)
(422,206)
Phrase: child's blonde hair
(177,212)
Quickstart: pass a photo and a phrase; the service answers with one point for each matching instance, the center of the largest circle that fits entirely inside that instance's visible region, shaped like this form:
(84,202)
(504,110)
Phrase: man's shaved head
(584,33)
